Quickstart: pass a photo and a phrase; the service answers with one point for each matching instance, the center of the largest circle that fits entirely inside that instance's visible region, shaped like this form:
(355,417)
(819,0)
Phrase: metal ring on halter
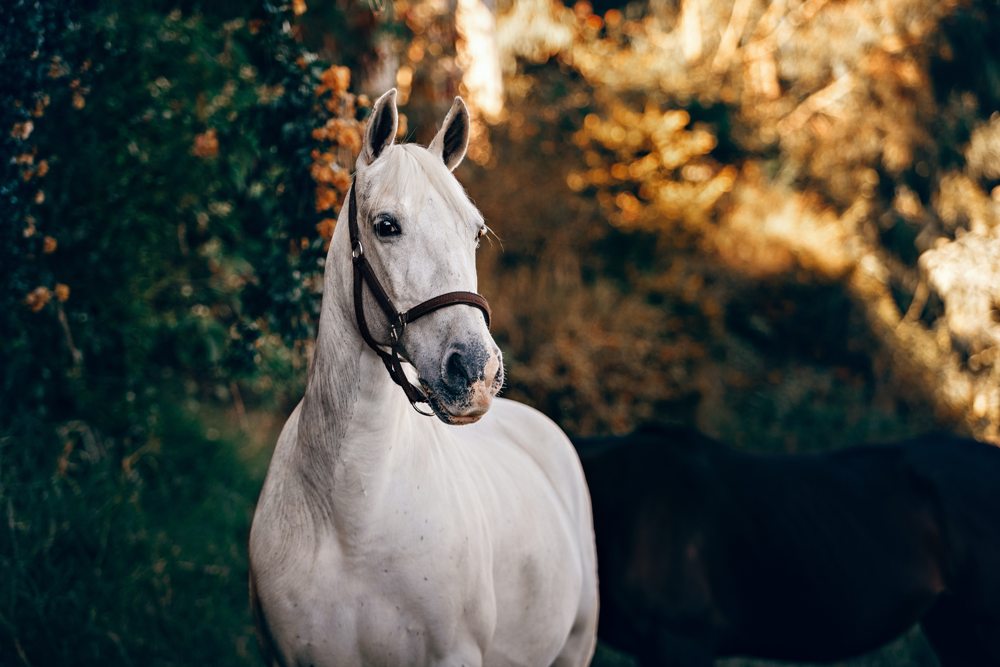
(422,412)
(358,250)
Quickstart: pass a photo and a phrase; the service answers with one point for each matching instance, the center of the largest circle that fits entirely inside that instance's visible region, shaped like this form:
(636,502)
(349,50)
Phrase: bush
(166,209)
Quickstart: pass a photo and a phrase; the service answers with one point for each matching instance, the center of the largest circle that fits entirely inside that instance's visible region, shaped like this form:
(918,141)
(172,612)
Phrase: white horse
(383,537)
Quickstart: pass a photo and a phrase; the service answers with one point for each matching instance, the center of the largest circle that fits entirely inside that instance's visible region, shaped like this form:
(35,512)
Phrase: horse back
(825,555)
(964,477)
(758,554)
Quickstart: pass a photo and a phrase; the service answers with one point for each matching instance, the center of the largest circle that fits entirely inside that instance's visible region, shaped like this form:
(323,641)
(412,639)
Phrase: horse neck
(352,412)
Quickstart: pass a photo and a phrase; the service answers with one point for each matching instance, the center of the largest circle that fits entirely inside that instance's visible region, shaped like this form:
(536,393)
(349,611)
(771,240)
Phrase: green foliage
(135,561)
(159,248)
(143,221)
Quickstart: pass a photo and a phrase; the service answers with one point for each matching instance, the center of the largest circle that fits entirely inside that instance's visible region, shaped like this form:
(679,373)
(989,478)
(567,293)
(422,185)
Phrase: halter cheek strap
(365,275)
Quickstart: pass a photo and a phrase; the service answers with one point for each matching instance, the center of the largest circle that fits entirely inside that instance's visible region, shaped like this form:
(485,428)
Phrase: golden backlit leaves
(983,152)
(966,274)
(648,168)
(771,231)
(578,344)
(961,206)
(840,95)
(739,54)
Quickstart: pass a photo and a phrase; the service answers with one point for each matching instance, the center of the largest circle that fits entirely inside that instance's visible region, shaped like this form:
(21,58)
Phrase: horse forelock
(412,169)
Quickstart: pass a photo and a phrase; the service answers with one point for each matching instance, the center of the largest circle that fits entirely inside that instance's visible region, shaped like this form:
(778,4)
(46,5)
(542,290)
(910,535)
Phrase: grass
(909,650)
(126,558)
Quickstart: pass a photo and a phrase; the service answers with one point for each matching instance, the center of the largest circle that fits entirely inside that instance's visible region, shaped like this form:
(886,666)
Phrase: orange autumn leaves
(206,144)
(649,167)
(39,297)
(33,168)
(339,140)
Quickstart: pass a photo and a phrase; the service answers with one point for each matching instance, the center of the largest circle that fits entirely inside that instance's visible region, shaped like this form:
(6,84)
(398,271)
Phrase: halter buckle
(396,330)
(357,251)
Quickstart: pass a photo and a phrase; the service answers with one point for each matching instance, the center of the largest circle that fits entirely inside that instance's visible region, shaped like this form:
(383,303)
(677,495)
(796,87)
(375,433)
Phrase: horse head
(419,232)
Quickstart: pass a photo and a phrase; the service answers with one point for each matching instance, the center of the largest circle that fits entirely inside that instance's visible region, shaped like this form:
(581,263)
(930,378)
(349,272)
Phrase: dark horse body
(705,551)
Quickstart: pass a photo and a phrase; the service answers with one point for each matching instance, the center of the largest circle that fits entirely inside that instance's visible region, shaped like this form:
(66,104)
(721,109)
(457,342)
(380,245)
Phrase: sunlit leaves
(649,168)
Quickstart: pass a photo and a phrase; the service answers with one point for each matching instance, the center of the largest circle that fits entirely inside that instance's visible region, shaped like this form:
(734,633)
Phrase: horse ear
(452,140)
(381,130)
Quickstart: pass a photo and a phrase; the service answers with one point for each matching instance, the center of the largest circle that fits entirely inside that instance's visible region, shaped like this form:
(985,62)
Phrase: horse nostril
(455,367)
(460,369)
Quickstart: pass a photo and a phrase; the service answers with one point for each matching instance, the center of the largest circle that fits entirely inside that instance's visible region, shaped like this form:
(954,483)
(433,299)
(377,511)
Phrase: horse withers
(706,552)
(382,536)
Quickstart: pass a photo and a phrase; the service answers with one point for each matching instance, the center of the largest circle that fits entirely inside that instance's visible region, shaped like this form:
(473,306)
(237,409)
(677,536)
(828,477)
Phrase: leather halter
(363,274)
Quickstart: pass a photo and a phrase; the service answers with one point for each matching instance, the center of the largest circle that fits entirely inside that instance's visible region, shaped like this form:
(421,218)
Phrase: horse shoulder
(272,558)
(555,525)
(545,444)
(283,544)
(265,639)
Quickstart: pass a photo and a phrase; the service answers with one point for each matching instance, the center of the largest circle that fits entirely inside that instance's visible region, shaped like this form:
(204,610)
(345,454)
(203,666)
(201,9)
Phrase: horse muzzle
(470,377)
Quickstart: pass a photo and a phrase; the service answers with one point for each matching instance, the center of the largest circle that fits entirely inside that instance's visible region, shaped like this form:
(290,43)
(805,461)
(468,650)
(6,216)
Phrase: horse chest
(411,590)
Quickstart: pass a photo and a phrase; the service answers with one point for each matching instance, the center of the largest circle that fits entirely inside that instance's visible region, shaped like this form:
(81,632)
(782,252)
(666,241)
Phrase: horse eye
(386,226)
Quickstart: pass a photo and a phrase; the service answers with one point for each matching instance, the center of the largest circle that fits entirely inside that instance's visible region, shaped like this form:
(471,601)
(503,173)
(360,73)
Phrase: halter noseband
(363,274)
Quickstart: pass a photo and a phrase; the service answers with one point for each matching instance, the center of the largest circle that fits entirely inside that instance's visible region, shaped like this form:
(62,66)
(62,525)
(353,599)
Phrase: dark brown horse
(707,552)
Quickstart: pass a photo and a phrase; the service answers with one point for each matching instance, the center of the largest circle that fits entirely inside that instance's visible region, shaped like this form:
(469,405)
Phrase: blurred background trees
(815,181)
(774,221)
